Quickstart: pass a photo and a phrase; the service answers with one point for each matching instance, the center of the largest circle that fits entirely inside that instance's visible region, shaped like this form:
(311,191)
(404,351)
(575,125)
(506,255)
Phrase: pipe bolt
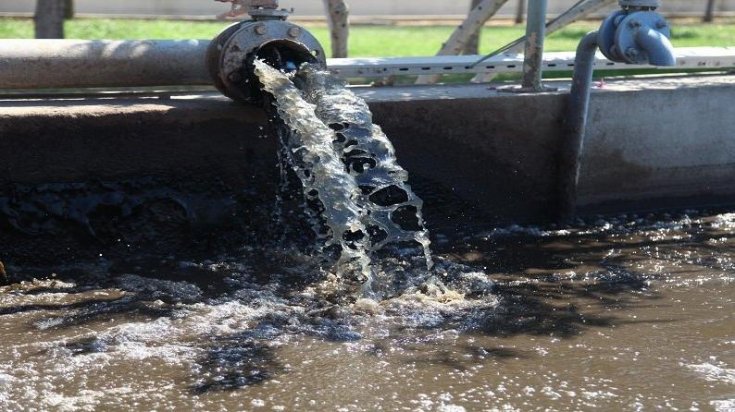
(632,53)
(234,77)
(634,24)
(294,32)
(661,24)
(261,29)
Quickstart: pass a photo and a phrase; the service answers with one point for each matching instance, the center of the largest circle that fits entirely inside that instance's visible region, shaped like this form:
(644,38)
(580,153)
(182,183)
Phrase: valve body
(637,34)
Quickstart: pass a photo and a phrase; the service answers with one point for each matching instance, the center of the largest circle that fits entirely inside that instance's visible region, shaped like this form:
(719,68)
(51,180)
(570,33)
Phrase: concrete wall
(670,139)
(478,157)
(314,7)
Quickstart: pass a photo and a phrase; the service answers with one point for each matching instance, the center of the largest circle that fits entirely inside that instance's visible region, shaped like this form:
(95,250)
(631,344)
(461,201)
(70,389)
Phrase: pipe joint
(637,37)
(281,44)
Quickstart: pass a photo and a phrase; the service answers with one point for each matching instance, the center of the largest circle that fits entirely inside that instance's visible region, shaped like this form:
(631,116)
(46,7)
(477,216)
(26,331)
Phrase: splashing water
(347,167)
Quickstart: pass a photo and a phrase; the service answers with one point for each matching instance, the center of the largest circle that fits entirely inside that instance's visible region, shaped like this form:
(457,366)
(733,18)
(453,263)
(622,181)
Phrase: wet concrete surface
(615,313)
(649,141)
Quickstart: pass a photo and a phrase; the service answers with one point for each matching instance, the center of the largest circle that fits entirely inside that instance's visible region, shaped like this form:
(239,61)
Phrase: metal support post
(534,51)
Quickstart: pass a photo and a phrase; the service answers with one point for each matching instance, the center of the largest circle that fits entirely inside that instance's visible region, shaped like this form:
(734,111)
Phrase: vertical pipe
(575,126)
(534,52)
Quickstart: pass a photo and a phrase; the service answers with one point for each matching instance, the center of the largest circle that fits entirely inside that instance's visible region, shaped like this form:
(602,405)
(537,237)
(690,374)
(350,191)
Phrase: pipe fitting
(281,44)
(637,37)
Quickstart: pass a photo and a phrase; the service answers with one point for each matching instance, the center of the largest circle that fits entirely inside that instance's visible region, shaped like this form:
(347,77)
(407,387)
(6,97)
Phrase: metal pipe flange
(281,44)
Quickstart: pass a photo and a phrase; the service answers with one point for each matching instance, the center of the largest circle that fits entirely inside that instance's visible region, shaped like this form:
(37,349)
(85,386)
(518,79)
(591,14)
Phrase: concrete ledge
(475,155)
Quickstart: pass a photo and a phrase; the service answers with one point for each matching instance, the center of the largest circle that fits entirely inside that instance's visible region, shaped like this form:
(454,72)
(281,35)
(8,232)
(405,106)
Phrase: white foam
(727,405)
(714,373)
(86,401)
(450,408)
(6,380)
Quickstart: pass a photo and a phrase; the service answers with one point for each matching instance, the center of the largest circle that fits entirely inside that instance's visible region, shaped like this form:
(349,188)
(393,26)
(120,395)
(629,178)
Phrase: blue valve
(637,34)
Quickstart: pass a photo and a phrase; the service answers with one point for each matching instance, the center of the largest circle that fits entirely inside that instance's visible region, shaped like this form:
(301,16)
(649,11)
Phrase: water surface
(625,313)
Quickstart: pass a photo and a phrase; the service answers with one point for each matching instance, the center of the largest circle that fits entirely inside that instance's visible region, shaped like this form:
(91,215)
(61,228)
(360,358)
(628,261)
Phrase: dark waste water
(625,313)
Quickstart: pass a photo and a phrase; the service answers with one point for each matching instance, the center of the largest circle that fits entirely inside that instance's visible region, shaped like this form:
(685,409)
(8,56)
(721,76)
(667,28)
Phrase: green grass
(365,41)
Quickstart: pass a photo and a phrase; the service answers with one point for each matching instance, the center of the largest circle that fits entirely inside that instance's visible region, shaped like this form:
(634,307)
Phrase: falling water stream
(347,167)
(616,313)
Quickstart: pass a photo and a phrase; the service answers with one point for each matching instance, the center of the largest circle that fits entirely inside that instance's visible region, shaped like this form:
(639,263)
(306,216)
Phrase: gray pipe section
(658,47)
(46,64)
(575,126)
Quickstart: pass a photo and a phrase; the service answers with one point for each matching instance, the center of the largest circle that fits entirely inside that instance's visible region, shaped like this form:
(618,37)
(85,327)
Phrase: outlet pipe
(634,35)
(575,126)
(33,64)
(225,62)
